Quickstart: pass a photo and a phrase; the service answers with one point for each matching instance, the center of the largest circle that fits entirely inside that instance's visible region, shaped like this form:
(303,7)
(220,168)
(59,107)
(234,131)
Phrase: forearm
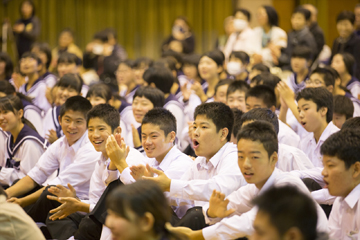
(23,186)
(83,207)
(197,235)
(121,165)
(294,109)
(282,114)
(32,198)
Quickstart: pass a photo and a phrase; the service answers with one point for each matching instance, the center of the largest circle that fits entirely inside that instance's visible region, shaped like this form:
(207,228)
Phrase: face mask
(234,68)
(98,49)
(240,24)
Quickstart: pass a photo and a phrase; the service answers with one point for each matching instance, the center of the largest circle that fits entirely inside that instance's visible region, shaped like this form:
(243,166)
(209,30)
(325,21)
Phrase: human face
(65,39)
(298,65)
(315,80)
(298,21)
(206,140)
(138,74)
(309,116)
(64,68)
(337,178)
(339,119)
(208,68)
(237,100)
(26,10)
(154,141)
(73,125)
(220,95)
(28,65)
(357,17)
(262,17)
(10,120)
(124,74)
(190,71)
(141,106)
(253,102)
(2,67)
(63,93)
(254,162)
(41,55)
(98,133)
(96,100)
(344,28)
(263,228)
(338,64)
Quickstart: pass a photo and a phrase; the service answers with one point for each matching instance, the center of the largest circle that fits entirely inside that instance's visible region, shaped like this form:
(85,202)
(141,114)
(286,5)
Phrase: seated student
(233,217)
(257,69)
(289,158)
(235,95)
(8,66)
(68,219)
(341,173)
(35,88)
(214,168)
(221,90)
(351,123)
(15,223)
(68,63)
(24,145)
(279,219)
(264,97)
(301,59)
(270,80)
(190,65)
(315,112)
(31,112)
(139,67)
(236,67)
(68,86)
(344,64)
(126,81)
(72,155)
(343,110)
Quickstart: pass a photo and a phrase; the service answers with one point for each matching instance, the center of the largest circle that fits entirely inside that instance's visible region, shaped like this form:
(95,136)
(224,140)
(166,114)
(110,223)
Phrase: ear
(147,222)
(323,111)
(224,134)
(273,108)
(274,158)
(172,135)
(152,85)
(220,69)
(117,130)
(293,234)
(337,81)
(356,171)
(330,88)
(40,66)
(20,113)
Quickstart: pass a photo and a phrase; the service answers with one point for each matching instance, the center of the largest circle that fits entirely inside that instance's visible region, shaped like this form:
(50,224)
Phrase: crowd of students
(261,139)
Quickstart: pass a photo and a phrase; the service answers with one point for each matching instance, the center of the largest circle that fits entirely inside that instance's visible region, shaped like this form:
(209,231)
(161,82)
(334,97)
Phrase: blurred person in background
(229,29)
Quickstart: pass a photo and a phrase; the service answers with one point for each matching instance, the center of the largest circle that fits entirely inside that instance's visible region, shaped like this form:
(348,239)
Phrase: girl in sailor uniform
(23,145)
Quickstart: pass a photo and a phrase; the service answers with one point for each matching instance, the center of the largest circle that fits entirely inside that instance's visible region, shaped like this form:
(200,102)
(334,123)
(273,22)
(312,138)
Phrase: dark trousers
(193,218)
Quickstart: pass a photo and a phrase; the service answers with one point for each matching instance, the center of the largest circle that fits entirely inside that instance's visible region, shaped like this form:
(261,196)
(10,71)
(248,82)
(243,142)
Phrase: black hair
(141,61)
(351,123)
(264,93)
(261,67)
(273,18)
(219,113)
(110,31)
(106,113)
(67,30)
(100,90)
(171,53)
(162,77)
(222,83)
(7,88)
(344,106)
(69,58)
(76,104)
(301,51)
(261,131)
(127,62)
(237,86)
(243,56)
(243,11)
(346,15)
(29,2)
(9,66)
(237,116)
(267,79)
(345,145)
(321,97)
(154,95)
(306,13)
(71,80)
(185,19)
(167,62)
(191,59)
(162,118)
(101,36)
(31,55)
(45,48)
(263,114)
(328,74)
(288,207)
(349,62)
(215,55)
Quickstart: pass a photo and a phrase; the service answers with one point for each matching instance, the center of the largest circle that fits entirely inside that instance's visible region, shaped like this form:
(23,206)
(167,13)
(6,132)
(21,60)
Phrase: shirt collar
(353,197)
(214,161)
(270,181)
(78,143)
(165,163)
(328,131)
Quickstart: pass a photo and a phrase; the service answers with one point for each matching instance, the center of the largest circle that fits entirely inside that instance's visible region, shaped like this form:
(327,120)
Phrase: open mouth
(195,144)
(303,123)
(247,175)
(72,133)
(326,184)
(98,142)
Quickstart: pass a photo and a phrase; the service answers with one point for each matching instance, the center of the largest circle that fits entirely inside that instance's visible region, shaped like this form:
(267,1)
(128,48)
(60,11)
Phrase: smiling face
(237,100)
(309,116)
(254,162)
(338,64)
(10,120)
(140,107)
(154,141)
(124,74)
(98,133)
(208,69)
(345,28)
(96,100)
(63,93)
(73,125)
(28,65)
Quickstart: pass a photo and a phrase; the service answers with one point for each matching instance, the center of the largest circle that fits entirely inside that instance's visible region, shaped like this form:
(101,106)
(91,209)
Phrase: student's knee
(88,229)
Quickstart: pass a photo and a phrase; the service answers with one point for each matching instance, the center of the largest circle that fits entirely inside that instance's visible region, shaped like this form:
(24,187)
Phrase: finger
(213,193)
(56,209)
(154,170)
(12,200)
(52,198)
(229,212)
(72,189)
(63,216)
(222,196)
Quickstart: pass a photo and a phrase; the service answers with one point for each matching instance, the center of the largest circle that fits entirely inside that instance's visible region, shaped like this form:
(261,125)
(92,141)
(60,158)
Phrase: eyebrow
(202,123)
(304,105)
(150,133)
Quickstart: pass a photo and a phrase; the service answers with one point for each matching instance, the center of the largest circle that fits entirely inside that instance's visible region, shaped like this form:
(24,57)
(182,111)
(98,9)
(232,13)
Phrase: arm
(34,32)
(23,186)
(29,199)
(289,98)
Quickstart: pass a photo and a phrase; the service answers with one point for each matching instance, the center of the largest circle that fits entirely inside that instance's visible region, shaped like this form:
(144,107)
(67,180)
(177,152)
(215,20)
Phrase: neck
(131,86)
(15,132)
(242,76)
(166,95)
(32,78)
(266,28)
(43,71)
(212,83)
(162,156)
(319,131)
(345,78)
(338,91)
(198,79)
(213,154)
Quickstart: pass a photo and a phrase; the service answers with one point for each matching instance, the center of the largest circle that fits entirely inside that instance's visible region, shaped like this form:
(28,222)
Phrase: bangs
(72,81)
(6,105)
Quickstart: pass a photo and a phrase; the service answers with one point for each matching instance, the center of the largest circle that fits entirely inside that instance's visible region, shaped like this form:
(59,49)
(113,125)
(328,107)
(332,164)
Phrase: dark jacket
(25,39)
(318,34)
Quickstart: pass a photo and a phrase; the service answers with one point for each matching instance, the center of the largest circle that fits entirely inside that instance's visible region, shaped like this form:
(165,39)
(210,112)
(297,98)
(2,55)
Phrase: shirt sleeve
(334,221)
(323,196)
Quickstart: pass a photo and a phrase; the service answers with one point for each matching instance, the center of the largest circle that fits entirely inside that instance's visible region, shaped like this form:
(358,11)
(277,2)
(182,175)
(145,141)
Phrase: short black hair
(101,36)
(237,86)
(219,113)
(166,62)
(69,58)
(306,13)
(191,59)
(127,62)
(170,53)
(105,112)
(100,90)
(273,18)
(162,77)
(301,51)
(261,114)
(243,56)
(321,97)
(215,55)
(264,93)
(345,145)
(154,95)
(349,62)
(328,74)
(222,83)
(9,66)
(267,79)
(237,123)
(261,67)
(346,15)
(76,104)
(31,55)
(351,123)
(143,61)
(243,11)
(162,118)
(71,80)
(344,106)
(45,48)
(261,131)
(289,207)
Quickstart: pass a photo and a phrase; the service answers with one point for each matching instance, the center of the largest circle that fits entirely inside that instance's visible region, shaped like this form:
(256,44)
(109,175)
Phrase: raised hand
(117,153)
(218,206)
(61,191)
(186,92)
(136,137)
(163,180)
(137,172)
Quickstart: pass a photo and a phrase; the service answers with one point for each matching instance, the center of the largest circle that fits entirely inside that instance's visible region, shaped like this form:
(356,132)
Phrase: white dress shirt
(177,109)
(291,158)
(344,220)
(76,164)
(221,172)
(312,149)
(48,121)
(287,136)
(3,137)
(240,223)
(37,93)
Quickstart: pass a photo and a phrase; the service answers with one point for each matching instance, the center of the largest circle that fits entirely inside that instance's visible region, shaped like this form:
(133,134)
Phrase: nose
(324,172)
(247,163)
